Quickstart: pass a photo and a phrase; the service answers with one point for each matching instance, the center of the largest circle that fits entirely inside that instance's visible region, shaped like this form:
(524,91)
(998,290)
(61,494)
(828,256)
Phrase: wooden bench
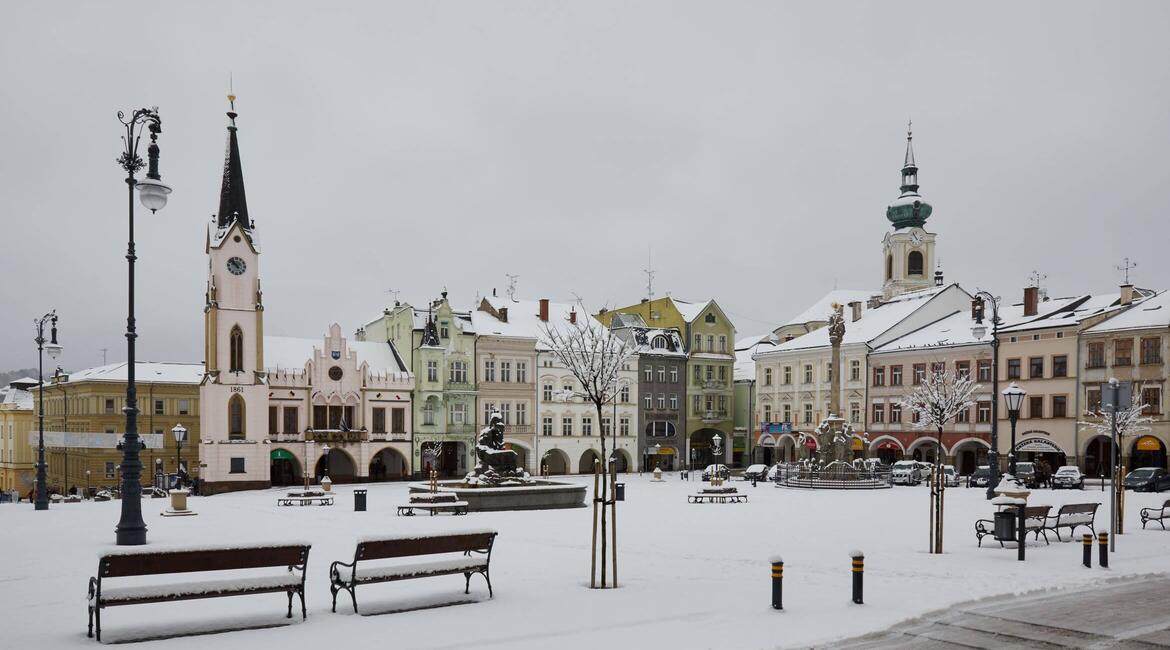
(348,575)
(309,498)
(433,502)
(1034,518)
(717,498)
(1156,514)
(293,557)
(1070,516)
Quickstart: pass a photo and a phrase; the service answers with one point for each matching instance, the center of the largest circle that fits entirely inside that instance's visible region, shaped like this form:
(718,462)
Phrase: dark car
(1148,479)
(981,477)
(1026,474)
(756,473)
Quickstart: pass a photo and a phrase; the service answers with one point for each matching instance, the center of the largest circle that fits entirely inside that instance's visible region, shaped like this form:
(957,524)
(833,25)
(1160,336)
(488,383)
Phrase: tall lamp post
(180,434)
(979,330)
(1013,397)
(54,349)
(716,452)
(131,529)
(325,466)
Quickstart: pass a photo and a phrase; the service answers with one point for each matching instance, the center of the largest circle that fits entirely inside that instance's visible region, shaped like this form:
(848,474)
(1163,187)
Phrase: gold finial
(231,92)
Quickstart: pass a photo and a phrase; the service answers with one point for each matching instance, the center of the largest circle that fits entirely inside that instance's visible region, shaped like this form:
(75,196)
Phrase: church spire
(233,205)
(909,167)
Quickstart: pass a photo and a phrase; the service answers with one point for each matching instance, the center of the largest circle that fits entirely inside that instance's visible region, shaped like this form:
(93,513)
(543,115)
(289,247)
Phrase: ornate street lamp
(54,350)
(325,456)
(1013,397)
(131,529)
(180,434)
(979,330)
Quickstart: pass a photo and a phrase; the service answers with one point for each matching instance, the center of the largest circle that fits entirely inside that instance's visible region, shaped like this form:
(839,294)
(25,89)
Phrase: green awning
(278,454)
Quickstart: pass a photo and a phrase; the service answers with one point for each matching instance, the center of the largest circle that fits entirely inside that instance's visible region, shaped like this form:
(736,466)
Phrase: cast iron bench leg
(290,595)
(304,612)
(467,586)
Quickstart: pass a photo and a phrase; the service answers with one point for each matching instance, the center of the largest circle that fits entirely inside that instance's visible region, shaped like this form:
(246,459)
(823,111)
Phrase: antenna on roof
(512,277)
(1126,268)
(1037,280)
(104,350)
(394,292)
(649,271)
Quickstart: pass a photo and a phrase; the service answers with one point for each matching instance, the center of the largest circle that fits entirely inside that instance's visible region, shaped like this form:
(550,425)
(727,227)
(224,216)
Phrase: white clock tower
(233,398)
(908,251)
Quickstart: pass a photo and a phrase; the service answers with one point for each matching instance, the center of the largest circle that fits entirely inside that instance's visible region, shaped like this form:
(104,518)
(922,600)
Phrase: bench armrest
(95,589)
(335,573)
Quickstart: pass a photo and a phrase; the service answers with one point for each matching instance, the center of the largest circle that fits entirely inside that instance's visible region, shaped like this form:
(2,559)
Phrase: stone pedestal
(326,484)
(178,507)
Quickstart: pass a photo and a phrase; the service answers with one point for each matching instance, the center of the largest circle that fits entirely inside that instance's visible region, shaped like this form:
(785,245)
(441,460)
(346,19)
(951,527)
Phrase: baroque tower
(908,252)
(233,397)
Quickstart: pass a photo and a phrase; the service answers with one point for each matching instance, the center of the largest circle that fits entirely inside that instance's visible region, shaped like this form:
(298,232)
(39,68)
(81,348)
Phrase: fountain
(496,483)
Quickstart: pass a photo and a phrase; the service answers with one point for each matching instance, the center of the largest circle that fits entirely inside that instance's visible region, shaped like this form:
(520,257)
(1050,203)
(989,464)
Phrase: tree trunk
(605,473)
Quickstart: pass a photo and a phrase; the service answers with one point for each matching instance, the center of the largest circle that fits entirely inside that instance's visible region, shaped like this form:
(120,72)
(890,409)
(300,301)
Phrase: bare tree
(1130,421)
(940,398)
(595,357)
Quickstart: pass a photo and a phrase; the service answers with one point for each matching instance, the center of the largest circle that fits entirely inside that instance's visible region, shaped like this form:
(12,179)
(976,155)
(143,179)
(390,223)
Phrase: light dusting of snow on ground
(690,575)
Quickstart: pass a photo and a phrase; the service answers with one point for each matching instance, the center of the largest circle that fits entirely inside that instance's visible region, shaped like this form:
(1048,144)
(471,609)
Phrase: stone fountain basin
(534,495)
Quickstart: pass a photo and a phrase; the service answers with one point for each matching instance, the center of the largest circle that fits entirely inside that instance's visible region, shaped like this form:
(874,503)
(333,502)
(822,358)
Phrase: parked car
(981,476)
(1148,479)
(711,470)
(756,473)
(1026,474)
(906,472)
(1068,476)
(950,476)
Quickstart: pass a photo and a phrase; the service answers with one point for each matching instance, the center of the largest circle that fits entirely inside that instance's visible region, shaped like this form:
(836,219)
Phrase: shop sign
(1148,443)
(281,454)
(1038,445)
(857,445)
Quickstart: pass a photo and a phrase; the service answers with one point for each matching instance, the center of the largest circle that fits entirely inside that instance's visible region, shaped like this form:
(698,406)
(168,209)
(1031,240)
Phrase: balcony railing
(713,417)
(335,435)
(714,385)
(518,429)
(390,437)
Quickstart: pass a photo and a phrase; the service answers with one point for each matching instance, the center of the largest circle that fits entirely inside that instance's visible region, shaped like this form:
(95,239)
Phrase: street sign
(1116,397)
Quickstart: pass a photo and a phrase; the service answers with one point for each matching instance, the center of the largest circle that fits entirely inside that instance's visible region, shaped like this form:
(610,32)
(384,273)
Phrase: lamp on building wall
(131,529)
(54,350)
(180,434)
(1013,397)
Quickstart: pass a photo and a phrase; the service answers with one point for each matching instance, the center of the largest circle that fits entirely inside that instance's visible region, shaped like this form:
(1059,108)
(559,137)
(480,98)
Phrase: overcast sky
(751,148)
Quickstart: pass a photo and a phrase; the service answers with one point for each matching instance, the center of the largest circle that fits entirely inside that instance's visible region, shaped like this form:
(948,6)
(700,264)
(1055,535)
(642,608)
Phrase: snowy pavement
(691,575)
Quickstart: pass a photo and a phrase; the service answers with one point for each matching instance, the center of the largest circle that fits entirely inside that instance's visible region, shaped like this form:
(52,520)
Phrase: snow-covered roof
(161,372)
(1150,313)
(288,353)
(523,318)
(745,366)
(16,398)
(1076,309)
(819,310)
(690,310)
(873,322)
(955,329)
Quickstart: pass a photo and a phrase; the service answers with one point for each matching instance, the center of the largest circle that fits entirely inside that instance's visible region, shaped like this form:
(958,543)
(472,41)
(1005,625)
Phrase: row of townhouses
(407,393)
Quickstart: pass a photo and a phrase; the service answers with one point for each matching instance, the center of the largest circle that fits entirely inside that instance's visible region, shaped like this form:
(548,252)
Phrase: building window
(661,401)
(505,412)
(808,414)
(983,412)
(649,402)
(547,392)
(458,372)
(432,371)
(184,407)
(521,413)
(1152,398)
(709,318)
(398,420)
(895,413)
(236,466)
(521,372)
(658,343)
(661,374)
(546,426)
(624,394)
(109,407)
(722,343)
(698,343)
(567,426)
(1035,406)
(787,375)
(1060,365)
(159,407)
(488,409)
(1059,406)
(710,343)
(236,340)
(963,369)
(291,419)
(963,417)
(698,374)
(1096,355)
(1152,349)
(879,376)
(879,413)
(767,376)
(379,424)
(722,373)
(674,374)
(808,373)
(648,374)
(984,370)
(489,370)
(673,402)
(1123,352)
(919,373)
(429,413)
(273,420)
(786,409)
(1013,369)
(586,426)
(855,370)
(855,412)
(767,413)
(1035,367)
(236,418)
(110,469)
(623,426)
(606,426)
(320,417)
(444,331)
(505,371)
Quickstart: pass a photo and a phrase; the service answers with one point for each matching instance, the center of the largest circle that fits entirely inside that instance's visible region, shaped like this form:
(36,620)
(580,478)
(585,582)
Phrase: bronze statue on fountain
(496,465)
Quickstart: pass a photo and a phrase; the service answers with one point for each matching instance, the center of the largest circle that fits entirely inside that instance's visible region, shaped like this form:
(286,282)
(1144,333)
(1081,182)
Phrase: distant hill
(11,375)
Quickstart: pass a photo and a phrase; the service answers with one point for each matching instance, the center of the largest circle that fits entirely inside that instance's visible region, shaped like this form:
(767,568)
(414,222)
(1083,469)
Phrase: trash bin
(619,491)
(1005,525)
(359,500)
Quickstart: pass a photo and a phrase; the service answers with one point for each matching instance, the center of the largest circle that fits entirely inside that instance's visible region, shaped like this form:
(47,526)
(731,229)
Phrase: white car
(950,476)
(1068,476)
(906,472)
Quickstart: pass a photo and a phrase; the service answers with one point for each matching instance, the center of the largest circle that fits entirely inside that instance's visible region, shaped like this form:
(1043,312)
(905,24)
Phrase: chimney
(573,316)
(504,314)
(1126,294)
(493,292)
(976,309)
(544,310)
(856,307)
(645,300)
(1031,300)
(874,302)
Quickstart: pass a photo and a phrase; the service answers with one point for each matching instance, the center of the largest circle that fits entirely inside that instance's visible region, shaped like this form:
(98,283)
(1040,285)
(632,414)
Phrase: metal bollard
(777,583)
(858,572)
(1103,543)
(1087,540)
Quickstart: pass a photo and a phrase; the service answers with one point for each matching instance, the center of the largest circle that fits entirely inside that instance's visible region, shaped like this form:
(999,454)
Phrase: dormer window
(658,343)
(710,318)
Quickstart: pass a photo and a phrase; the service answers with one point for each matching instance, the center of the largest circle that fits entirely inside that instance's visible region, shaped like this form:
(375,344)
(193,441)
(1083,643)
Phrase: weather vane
(1126,268)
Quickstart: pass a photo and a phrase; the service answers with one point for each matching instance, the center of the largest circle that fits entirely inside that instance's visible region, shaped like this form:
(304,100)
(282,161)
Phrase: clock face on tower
(916,238)
(236,266)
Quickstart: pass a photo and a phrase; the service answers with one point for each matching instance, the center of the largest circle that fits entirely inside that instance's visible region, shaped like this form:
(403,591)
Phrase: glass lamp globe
(53,350)
(180,433)
(153,193)
(1014,396)
(978,331)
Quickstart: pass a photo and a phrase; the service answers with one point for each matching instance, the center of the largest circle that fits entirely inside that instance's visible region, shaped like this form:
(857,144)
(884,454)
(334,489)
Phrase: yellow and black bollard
(777,583)
(858,573)
(1087,539)
(1103,543)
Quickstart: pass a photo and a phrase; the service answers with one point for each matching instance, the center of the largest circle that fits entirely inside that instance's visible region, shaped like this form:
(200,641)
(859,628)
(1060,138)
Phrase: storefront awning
(1148,443)
(281,454)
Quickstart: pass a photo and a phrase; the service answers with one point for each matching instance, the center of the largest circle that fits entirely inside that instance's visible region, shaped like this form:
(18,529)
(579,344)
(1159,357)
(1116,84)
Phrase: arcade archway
(555,462)
(585,464)
(1147,451)
(389,465)
(340,465)
(285,469)
(968,454)
(1099,457)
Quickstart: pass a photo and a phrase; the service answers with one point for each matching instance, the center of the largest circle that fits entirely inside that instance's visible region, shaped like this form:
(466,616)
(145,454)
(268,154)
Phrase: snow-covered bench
(348,575)
(434,502)
(293,558)
(1034,518)
(1070,516)
(306,498)
(725,497)
(1156,514)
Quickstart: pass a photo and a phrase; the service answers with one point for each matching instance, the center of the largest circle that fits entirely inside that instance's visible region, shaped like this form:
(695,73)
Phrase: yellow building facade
(17,457)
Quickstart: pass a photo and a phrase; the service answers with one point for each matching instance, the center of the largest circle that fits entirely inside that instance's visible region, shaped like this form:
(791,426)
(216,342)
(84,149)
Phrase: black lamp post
(131,529)
(180,433)
(1013,396)
(54,350)
(979,330)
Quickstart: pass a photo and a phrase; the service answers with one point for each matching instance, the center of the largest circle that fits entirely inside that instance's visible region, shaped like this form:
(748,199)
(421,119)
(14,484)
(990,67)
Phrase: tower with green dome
(908,251)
